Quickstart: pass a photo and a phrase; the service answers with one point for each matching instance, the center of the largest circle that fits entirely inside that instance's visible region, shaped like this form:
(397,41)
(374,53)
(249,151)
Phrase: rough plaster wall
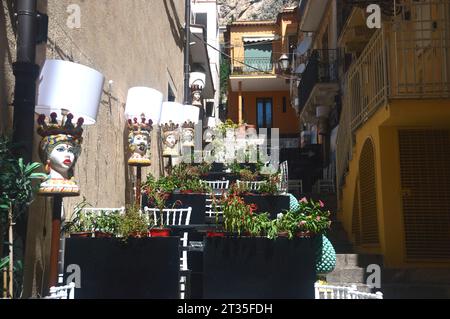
(133,43)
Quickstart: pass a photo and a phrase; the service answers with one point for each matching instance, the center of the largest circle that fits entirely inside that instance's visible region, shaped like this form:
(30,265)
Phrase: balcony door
(264,109)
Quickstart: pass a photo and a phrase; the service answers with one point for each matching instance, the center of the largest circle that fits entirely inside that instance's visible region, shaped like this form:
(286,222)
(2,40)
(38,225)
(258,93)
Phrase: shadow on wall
(6,58)
(176,27)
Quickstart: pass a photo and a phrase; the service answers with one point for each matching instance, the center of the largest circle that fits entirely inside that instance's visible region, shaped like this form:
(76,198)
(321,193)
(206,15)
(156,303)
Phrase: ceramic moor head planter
(139,140)
(187,134)
(171,138)
(59,150)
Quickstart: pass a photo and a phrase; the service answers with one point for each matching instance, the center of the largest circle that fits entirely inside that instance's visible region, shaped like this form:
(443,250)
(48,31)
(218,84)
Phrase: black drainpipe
(26,72)
(187,91)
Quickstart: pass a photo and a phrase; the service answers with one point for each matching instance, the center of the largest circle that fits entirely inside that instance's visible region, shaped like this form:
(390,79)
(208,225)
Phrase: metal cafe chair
(174,217)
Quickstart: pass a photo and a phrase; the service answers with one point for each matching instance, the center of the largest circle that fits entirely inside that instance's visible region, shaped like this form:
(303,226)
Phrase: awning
(258,39)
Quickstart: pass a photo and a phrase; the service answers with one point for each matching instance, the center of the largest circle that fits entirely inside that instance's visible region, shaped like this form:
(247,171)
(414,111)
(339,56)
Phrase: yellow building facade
(393,144)
(257,94)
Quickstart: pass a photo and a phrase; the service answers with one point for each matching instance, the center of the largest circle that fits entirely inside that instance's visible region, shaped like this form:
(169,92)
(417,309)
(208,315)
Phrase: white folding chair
(284,177)
(175,217)
(217,186)
(62,292)
(250,185)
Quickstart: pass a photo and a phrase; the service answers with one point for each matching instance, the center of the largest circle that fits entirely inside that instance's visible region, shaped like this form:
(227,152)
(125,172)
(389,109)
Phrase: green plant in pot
(81,224)
(106,224)
(133,223)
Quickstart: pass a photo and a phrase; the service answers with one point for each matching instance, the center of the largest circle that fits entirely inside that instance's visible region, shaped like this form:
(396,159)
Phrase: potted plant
(81,223)
(106,224)
(308,220)
(133,224)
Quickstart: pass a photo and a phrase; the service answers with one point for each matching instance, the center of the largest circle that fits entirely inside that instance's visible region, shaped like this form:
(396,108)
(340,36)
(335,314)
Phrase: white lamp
(197,78)
(212,122)
(172,111)
(144,100)
(65,85)
(191,113)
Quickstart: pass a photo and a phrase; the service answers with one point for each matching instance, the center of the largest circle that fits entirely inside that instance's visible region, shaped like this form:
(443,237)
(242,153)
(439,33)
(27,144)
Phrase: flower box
(272,204)
(259,268)
(135,268)
(179,200)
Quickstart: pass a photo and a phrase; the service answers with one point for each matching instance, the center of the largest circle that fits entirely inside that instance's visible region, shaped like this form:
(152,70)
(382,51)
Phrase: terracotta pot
(212,234)
(158,232)
(283,234)
(99,234)
(81,235)
(138,235)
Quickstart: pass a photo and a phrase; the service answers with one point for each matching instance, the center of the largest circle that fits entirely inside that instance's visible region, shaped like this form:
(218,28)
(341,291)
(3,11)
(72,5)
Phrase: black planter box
(140,268)
(196,201)
(273,204)
(220,176)
(259,268)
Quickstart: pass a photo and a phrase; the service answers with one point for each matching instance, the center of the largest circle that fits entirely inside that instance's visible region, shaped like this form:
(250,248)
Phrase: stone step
(346,275)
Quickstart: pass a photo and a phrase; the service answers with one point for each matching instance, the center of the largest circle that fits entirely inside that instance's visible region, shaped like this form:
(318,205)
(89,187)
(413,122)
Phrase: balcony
(319,83)
(254,74)
(406,60)
(253,66)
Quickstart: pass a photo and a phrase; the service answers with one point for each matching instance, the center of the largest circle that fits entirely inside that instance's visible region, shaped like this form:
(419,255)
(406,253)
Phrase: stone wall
(133,43)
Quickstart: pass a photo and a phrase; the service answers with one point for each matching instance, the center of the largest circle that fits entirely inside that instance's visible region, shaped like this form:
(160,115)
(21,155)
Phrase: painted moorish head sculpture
(59,150)
(171,137)
(187,134)
(139,140)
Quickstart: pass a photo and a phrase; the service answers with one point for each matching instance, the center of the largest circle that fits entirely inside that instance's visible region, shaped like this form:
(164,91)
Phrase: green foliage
(239,217)
(16,181)
(80,221)
(308,217)
(133,223)
(106,222)
(184,178)
(225,70)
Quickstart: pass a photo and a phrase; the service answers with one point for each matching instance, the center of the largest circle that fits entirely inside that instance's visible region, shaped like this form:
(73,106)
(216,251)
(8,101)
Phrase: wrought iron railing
(322,67)
(253,65)
(406,59)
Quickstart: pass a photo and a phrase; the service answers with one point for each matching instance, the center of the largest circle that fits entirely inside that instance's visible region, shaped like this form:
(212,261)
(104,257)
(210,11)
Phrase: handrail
(341,292)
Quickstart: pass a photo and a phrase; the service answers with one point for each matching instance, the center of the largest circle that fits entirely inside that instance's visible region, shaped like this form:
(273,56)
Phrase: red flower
(321,203)
(303,200)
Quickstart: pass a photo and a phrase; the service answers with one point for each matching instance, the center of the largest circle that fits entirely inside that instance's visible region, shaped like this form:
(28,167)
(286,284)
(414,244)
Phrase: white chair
(175,217)
(284,177)
(62,292)
(250,185)
(217,186)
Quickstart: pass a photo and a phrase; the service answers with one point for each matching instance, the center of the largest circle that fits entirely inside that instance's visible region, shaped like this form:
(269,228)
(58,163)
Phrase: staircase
(350,267)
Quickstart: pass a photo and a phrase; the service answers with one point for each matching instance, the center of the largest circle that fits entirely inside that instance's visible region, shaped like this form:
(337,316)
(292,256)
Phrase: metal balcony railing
(406,59)
(322,67)
(250,65)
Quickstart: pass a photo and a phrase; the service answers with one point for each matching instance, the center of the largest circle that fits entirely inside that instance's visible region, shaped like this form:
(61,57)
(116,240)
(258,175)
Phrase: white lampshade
(212,122)
(197,78)
(70,86)
(144,100)
(191,113)
(172,111)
